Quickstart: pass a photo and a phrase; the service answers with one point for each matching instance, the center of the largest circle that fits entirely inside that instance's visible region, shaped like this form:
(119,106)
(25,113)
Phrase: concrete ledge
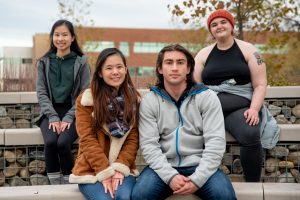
(45,192)
(244,191)
(25,136)
(30,97)
(2,136)
(283,92)
(274,191)
(10,98)
(33,136)
(289,132)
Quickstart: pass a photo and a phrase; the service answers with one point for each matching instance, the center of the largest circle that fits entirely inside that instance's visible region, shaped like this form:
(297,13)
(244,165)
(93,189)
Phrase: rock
(12,170)
(227,159)
(24,173)
(290,103)
(281,119)
(277,103)
(286,164)
(6,122)
(3,112)
(286,178)
(279,152)
(36,111)
(294,147)
(18,114)
(22,123)
(2,178)
(293,119)
(236,178)
(274,110)
(23,160)
(2,162)
(296,111)
(272,177)
(271,165)
(10,156)
(17,181)
(294,157)
(297,121)
(286,111)
(224,169)
(37,167)
(234,150)
(37,155)
(237,167)
(295,173)
(38,179)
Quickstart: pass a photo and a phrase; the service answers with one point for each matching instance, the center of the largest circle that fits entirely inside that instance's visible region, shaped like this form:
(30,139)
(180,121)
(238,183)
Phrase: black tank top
(222,65)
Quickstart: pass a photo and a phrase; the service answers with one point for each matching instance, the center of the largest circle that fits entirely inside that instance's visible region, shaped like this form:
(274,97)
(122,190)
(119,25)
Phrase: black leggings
(248,137)
(58,154)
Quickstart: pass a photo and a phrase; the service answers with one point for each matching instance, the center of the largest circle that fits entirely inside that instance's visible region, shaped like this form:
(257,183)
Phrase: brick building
(140,46)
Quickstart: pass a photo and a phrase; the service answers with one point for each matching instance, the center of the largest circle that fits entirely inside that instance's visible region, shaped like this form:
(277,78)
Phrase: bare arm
(200,60)
(259,83)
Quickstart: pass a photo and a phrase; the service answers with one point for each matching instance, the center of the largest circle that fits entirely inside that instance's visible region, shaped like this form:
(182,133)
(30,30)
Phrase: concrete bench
(33,136)
(274,191)
(244,191)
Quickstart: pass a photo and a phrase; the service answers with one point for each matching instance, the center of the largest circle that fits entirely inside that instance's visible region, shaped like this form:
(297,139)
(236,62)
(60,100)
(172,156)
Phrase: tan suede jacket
(99,154)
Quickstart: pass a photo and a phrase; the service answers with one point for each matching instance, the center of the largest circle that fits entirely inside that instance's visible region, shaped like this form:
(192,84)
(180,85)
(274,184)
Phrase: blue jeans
(96,191)
(150,186)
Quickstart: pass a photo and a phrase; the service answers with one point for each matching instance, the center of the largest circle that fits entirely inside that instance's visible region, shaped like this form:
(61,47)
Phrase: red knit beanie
(220,13)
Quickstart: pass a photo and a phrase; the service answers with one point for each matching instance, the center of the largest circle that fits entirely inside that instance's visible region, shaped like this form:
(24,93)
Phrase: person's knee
(50,144)
(138,192)
(226,193)
(63,146)
(250,137)
(123,196)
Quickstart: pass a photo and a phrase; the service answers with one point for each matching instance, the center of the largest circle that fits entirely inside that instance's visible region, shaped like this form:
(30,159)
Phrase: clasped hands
(111,184)
(59,127)
(182,185)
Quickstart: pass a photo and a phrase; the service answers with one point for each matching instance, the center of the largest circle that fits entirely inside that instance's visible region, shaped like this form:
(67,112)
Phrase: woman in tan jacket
(107,116)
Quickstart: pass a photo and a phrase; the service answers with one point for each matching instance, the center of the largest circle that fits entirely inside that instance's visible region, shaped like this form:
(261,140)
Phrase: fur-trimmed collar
(87,98)
(116,143)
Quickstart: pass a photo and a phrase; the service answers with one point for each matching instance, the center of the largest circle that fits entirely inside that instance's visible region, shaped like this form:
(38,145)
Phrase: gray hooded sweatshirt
(192,134)
(81,82)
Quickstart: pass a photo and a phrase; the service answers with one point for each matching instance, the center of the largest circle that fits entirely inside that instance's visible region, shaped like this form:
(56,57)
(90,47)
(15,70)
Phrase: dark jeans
(149,186)
(96,191)
(247,136)
(58,154)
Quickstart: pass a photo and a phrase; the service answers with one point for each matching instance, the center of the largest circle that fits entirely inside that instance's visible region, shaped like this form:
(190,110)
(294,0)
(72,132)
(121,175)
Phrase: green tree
(254,15)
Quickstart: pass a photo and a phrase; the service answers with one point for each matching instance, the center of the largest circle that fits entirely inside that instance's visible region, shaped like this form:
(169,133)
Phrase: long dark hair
(74,45)
(101,92)
(160,58)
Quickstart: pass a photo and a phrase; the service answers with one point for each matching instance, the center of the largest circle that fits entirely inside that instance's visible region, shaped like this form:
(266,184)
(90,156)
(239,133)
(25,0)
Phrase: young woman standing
(107,117)
(62,73)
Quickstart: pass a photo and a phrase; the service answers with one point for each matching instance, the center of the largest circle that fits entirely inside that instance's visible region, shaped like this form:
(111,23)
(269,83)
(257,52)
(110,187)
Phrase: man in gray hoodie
(182,135)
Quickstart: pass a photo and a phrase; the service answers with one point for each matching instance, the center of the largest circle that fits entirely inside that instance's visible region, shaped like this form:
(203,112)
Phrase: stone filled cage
(20,166)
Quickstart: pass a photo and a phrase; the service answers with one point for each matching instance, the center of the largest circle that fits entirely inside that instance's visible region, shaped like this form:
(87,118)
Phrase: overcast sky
(21,19)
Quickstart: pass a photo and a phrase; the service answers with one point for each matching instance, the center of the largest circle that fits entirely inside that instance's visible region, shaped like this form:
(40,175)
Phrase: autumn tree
(254,15)
(77,11)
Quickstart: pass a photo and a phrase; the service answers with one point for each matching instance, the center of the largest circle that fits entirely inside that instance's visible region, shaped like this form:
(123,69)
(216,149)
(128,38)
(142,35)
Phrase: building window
(148,47)
(124,47)
(97,46)
(26,60)
(155,47)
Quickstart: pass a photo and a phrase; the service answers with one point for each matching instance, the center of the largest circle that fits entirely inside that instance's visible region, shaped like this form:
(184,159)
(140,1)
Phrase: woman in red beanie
(235,69)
